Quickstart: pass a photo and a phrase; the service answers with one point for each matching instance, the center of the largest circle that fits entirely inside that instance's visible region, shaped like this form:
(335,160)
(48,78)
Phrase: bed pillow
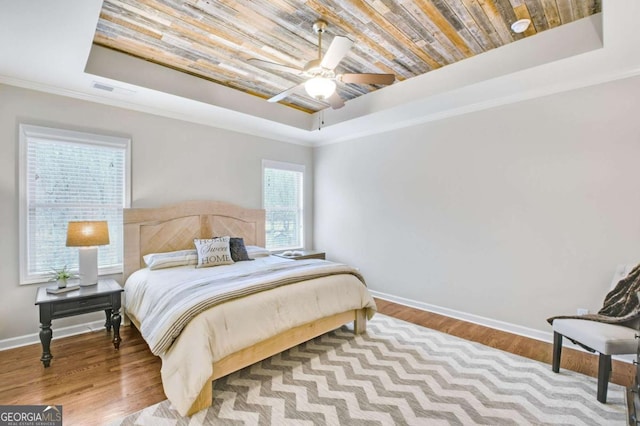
(213,252)
(238,250)
(257,251)
(170,259)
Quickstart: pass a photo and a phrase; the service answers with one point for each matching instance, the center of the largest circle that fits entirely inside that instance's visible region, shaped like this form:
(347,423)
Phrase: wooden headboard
(173,227)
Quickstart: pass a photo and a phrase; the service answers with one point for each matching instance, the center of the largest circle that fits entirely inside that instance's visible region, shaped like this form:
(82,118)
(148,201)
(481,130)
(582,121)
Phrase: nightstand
(104,296)
(306,254)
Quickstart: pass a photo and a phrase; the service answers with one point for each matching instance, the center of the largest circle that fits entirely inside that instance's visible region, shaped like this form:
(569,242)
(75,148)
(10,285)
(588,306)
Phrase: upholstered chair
(605,339)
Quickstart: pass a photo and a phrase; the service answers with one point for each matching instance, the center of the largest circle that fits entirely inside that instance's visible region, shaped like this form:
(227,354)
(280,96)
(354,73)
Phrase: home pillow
(213,252)
(238,250)
(170,259)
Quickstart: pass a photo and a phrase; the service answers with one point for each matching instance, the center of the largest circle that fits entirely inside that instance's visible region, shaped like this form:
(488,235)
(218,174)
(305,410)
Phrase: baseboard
(532,333)
(72,330)
(487,322)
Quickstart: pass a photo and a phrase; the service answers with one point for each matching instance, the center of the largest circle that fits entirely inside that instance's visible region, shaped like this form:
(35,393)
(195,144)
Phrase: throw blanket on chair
(621,304)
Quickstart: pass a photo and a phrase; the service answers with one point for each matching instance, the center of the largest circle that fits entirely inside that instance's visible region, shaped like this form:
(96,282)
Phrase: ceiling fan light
(320,87)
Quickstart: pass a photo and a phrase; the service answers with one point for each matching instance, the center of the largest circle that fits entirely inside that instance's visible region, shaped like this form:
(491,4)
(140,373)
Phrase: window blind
(68,180)
(283,204)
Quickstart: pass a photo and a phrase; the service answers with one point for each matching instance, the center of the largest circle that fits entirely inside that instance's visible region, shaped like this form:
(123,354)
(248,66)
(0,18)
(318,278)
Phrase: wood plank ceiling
(214,39)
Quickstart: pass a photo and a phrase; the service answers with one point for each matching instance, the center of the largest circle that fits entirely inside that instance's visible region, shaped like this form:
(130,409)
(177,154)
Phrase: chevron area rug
(397,374)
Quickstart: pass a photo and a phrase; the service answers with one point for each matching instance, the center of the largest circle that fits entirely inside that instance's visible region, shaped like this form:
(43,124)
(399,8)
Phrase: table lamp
(87,236)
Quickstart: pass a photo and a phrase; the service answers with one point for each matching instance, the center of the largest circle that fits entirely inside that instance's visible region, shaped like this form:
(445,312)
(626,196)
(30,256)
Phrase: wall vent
(101,86)
(109,88)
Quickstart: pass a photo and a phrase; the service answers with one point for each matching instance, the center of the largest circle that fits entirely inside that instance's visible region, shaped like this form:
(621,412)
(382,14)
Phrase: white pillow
(213,252)
(257,251)
(171,259)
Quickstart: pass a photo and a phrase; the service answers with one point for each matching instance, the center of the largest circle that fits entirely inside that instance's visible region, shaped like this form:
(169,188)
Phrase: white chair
(605,339)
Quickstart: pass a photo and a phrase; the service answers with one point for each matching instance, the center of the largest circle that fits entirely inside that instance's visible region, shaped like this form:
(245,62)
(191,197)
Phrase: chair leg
(604,371)
(557,351)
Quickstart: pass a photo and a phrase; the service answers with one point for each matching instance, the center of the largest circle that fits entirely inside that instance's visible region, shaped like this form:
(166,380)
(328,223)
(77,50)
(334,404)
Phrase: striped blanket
(167,312)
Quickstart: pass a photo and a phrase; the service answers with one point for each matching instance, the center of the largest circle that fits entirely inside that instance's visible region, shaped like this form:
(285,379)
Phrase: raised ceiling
(214,39)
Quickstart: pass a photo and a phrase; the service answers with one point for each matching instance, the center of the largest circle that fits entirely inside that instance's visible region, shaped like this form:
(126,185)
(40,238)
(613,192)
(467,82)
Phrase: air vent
(112,89)
(101,86)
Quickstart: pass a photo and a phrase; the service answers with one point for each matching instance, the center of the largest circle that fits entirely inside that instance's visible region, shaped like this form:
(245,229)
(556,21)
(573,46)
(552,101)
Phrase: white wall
(513,214)
(171,161)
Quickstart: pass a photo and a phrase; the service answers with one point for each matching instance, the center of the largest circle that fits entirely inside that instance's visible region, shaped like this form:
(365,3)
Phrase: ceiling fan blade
(368,78)
(280,96)
(266,64)
(335,101)
(338,49)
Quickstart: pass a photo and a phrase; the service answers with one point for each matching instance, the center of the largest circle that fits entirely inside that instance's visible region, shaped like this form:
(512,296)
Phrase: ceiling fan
(320,72)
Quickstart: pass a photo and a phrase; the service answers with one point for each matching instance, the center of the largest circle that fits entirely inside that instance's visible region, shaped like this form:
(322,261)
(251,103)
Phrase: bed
(236,333)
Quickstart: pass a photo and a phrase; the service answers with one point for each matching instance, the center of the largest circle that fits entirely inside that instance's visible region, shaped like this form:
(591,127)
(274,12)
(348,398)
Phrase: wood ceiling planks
(214,39)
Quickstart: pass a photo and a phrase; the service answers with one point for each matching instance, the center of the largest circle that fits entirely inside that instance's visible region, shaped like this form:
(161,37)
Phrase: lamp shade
(83,234)
(320,87)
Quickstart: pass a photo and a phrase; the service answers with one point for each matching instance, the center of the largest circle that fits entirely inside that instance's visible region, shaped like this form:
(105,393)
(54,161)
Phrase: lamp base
(88,263)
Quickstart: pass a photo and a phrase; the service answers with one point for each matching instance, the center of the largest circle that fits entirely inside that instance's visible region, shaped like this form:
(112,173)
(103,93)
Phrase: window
(68,176)
(283,203)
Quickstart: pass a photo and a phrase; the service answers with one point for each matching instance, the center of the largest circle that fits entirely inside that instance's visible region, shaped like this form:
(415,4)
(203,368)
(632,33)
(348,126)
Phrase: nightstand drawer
(73,307)
(319,255)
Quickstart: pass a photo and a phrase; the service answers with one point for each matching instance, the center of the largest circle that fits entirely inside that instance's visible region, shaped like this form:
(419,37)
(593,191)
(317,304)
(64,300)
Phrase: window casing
(69,176)
(283,201)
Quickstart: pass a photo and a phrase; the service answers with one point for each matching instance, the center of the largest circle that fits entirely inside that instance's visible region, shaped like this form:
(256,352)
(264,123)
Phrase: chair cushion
(608,339)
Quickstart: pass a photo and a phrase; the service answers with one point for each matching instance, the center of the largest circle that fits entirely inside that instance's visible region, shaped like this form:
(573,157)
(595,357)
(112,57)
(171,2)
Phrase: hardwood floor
(96,384)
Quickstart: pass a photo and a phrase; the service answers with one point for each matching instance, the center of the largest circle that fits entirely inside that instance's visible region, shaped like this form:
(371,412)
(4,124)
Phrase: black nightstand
(306,254)
(104,296)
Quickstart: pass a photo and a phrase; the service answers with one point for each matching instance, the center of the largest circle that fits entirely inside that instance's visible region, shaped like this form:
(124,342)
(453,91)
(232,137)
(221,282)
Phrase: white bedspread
(240,323)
